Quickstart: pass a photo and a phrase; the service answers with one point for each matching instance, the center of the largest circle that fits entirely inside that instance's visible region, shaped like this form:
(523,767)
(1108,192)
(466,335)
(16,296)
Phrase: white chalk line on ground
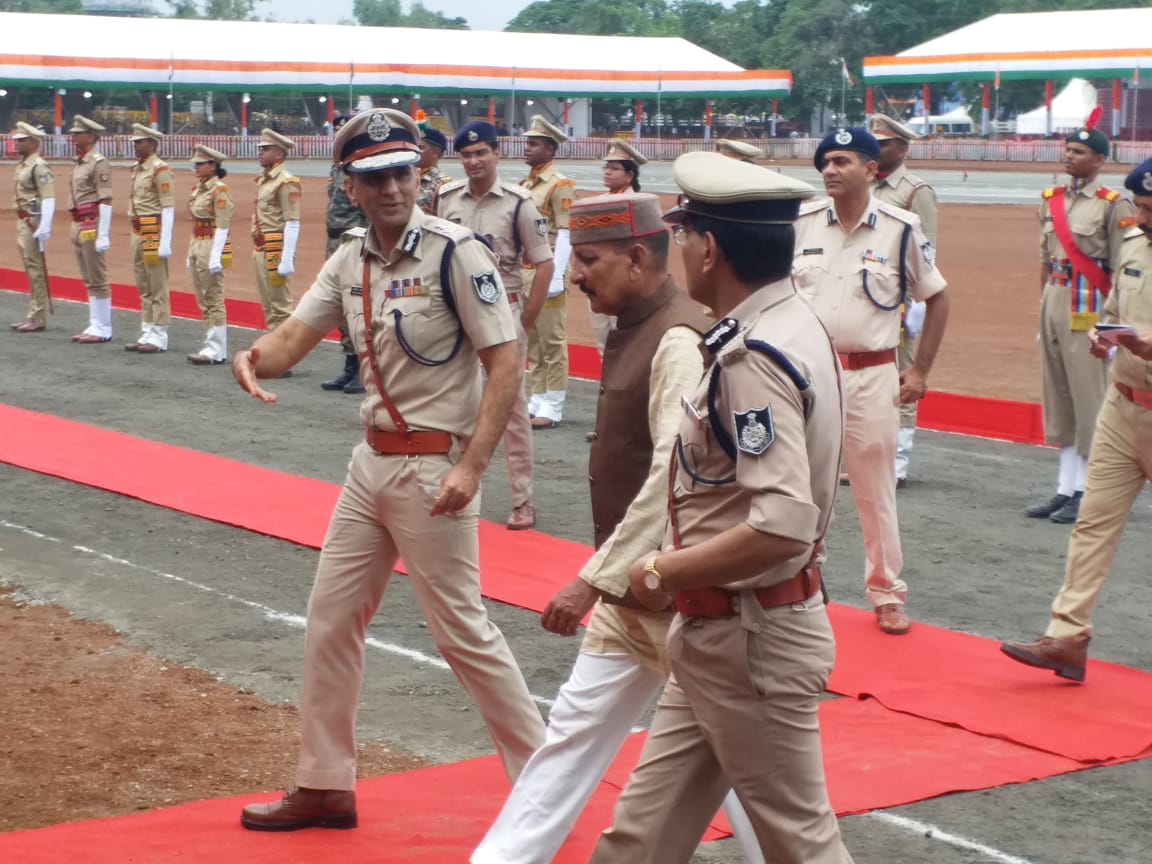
(934,833)
(289,618)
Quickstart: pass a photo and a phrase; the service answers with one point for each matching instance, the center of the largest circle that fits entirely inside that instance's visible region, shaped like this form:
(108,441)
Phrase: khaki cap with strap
(885,128)
(541,128)
(272,138)
(741,150)
(27,130)
(204,153)
(623,151)
(717,187)
(80,123)
(140,132)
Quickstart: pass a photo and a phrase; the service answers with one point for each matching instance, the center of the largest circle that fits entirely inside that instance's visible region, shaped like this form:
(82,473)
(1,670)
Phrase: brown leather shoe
(543,423)
(90,339)
(29,326)
(149,348)
(522,518)
(890,618)
(303,808)
(1066,657)
(203,360)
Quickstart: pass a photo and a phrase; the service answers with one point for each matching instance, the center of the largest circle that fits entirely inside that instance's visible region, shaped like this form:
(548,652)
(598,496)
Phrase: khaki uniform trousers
(1074,382)
(275,292)
(548,347)
(1118,466)
(871,423)
(382,513)
(518,436)
(152,286)
(905,357)
(740,709)
(209,287)
(34,267)
(93,271)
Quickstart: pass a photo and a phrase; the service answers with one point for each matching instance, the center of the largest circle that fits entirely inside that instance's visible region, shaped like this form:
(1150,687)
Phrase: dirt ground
(95,728)
(989,259)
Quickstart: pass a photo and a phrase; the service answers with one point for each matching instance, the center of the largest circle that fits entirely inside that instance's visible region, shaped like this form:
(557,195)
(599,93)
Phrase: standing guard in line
(210,252)
(91,209)
(275,228)
(35,205)
(152,208)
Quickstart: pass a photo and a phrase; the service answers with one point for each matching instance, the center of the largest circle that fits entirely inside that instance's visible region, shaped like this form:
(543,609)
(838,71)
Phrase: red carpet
(260,500)
(943,412)
(408,817)
(965,681)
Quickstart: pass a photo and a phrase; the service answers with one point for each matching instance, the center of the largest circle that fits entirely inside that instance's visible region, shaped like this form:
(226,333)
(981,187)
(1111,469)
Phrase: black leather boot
(351,371)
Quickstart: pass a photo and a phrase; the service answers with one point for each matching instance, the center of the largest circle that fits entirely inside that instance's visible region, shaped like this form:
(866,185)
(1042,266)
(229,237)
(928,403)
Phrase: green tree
(60,7)
(215,10)
(390,13)
(598,18)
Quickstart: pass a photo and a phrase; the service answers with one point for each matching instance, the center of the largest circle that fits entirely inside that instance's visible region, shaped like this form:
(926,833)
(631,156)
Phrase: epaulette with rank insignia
(518,191)
(1107,194)
(814,205)
(451,186)
(1135,233)
(898,213)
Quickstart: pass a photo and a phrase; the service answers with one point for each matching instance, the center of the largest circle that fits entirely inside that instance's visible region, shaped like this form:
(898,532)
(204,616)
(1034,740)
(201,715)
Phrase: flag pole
(843,91)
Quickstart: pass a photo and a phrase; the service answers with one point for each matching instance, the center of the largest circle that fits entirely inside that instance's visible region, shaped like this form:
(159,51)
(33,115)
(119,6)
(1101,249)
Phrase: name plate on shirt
(406,288)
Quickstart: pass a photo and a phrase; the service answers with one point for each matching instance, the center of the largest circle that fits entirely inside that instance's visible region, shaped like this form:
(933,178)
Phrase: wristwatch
(653,581)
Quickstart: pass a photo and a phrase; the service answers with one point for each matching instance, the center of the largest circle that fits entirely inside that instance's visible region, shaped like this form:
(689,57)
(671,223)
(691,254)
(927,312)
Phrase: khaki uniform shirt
(153,188)
(905,190)
(430,183)
(406,281)
(33,183)
(1130,302)
(212,201)
(553,194)
(91,179)
(1097,224)
(836,268)
(277,199)
(491,216)
(787,467)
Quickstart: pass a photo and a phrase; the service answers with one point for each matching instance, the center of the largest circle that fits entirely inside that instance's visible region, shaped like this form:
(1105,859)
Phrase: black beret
(475,132)
(1139,181)
(855,138)
(435,137)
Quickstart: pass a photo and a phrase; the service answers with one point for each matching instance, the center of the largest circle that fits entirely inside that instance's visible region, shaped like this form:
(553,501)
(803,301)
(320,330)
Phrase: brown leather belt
(1143,398)
(866,359)
(408,444)
(84,211)
(258,240)
(202,229)
(719,603)
(513,297)
(23,214)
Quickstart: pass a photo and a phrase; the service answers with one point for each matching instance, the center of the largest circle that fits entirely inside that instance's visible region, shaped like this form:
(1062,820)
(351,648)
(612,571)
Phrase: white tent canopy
(96,51)
(1070,108)
(1095,43)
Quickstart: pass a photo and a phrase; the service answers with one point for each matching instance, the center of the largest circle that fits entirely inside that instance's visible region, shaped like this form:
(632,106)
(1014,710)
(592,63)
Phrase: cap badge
(1083,136)
(473,135)
(1146,182)
(843,137)
(378,127)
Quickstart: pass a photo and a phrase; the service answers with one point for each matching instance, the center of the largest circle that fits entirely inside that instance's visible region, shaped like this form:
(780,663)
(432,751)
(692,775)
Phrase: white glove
(287,257)
(167,217)
(218,240)
(559,263)
(188,264)
(44,229)
(104,224)
(914,319)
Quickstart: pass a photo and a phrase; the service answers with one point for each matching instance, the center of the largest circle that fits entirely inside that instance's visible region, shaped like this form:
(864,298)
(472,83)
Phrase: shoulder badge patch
(754,432)
(542,227)
(929,253)
(487,288)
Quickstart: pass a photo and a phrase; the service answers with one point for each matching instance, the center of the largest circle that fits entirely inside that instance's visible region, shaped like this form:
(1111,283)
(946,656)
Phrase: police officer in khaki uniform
(91,209)
(754,478)
(553,194)
(35,200)
(739,150)
(210,253)
(432,147)
(896,185)
(1121,457)
(152,209)
(503,213)
(412,489)
(275,228)
(1082,227)
(849,265)
(341,215)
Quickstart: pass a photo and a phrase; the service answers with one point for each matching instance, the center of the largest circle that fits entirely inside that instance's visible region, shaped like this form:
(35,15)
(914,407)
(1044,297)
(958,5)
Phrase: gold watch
(653,581)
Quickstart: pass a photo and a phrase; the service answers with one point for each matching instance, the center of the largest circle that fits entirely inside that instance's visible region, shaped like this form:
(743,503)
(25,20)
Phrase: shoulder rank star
(754,432)
(487,289)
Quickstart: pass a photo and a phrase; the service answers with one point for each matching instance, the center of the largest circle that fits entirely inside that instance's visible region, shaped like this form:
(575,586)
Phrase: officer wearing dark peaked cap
(425,307)
(754,480)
